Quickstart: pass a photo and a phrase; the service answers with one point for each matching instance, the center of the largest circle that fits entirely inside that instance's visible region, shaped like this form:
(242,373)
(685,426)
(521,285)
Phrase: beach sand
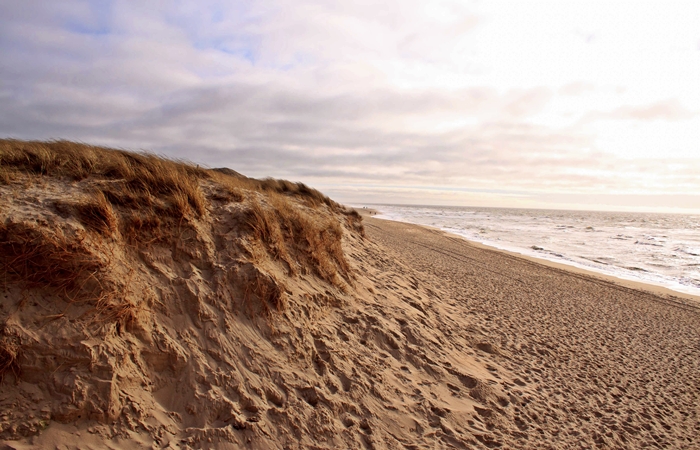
(208,338)
(586,361)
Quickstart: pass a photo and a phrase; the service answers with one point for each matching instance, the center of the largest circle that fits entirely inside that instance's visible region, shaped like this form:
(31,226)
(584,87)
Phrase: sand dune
(231,325)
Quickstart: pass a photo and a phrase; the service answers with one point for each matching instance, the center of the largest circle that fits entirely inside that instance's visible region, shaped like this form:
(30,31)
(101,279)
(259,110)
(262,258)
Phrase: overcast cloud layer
(543,104)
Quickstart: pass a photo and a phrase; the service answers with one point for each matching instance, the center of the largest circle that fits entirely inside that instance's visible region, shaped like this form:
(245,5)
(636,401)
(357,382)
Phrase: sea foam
(662,249)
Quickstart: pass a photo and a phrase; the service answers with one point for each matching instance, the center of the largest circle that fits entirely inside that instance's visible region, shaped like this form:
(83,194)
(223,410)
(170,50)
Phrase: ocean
(661,249)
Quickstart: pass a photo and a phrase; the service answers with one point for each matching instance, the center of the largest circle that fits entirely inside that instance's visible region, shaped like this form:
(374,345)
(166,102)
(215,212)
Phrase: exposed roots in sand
(9,355)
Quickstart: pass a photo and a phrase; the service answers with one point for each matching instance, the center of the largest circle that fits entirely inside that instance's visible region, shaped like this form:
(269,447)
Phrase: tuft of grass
(314,241)
(174,181)
(143,175)
(39,257)
(145,227)
(6,175)
(266,229)
(9,356)
(97,214)
(311,196)
(298,238)
(119,194)
(230,185)
(180,206)
(228,195)
(121,311)
(42,258)
(354,221)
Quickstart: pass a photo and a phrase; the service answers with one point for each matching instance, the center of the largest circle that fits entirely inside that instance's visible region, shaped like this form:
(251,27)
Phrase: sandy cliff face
(225,315)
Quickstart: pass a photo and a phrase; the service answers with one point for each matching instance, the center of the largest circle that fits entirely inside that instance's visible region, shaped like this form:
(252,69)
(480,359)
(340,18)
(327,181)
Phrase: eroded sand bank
(430,342)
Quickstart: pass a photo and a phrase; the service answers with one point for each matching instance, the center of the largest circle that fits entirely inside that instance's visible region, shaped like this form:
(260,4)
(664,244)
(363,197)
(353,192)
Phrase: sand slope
(206,340)
(429,343)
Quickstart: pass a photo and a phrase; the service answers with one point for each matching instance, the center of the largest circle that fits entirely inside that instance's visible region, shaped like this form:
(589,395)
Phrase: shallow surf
(661,249)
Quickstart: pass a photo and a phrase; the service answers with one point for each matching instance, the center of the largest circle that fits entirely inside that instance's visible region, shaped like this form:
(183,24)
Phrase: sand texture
(584,363)
(232,326)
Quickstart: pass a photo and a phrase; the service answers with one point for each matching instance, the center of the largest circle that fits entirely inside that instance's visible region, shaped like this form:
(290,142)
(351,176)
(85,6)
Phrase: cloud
(666,110)
(323,92)
(576,88)
(272,129)
(670,110)
(521,104)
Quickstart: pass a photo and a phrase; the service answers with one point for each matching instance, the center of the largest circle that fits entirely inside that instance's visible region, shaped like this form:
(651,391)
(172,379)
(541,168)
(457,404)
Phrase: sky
(550,104)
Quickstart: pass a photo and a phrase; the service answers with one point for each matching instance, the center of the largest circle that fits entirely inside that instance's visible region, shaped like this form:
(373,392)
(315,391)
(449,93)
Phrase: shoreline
(658,290)
(593,356)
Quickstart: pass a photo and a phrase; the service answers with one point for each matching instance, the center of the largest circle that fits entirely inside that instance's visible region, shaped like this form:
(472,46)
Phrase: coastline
(265,322)
(592,357)
(655,289)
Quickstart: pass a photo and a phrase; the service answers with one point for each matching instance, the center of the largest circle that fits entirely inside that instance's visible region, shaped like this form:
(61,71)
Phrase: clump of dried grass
(9,356)
(39,257)
(143,176)
(230,184)
(271,297)
(120,194)
(144,227)
(298,238)
(120,311)
(6,175)
(311,196)
(176,182)
(97,214)
(228,195)
(117,305)
(354,221)
(266,228)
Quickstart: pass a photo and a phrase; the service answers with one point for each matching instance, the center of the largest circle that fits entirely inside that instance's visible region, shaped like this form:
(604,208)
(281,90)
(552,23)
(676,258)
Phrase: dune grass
(135,200)
(143,198)
(316,239)
(97,214)
(38,257)
(142,177)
